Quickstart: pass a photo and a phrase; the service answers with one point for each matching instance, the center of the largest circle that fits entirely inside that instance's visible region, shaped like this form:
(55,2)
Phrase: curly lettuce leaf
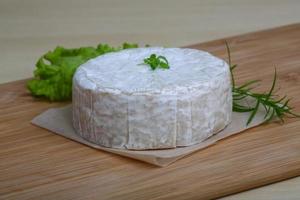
(54,70)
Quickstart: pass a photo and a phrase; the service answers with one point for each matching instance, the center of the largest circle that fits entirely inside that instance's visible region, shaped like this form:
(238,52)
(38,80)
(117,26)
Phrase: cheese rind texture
(119,102)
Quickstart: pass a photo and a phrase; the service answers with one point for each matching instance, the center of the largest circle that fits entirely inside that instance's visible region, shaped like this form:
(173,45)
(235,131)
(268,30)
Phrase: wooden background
(36,164)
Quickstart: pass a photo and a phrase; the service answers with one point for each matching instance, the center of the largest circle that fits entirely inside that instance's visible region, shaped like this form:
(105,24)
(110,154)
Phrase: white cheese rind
(121,104)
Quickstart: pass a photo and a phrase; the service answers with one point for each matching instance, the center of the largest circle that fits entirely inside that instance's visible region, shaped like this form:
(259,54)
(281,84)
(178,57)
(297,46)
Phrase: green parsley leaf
(155,62)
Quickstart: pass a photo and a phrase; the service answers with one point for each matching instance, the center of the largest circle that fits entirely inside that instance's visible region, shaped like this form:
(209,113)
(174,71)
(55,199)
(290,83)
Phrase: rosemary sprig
(155,61)
(275,108)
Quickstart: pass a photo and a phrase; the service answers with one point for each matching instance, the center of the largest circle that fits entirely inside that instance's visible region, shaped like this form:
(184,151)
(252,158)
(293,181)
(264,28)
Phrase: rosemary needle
(275,108)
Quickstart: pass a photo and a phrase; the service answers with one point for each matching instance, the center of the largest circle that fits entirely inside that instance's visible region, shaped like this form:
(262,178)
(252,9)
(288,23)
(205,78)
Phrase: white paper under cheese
(121,104)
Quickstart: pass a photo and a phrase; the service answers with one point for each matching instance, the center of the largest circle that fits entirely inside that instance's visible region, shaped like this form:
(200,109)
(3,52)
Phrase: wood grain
(36,164)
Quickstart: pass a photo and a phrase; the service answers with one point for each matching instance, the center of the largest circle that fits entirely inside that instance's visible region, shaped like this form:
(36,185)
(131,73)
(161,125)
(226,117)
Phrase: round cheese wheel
(120,102)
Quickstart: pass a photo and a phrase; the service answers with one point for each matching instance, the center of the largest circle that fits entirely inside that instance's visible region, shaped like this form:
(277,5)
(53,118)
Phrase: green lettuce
(54,70)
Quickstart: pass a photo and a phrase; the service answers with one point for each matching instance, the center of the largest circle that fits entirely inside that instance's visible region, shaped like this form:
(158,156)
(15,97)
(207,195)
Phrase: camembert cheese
(120,103)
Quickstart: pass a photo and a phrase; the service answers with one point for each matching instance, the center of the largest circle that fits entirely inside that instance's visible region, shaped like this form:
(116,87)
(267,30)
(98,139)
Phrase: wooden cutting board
(37,164)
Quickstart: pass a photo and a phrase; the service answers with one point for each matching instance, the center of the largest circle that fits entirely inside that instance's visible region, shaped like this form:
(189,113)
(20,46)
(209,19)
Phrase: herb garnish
(275,108)
(54,70)
(155,61)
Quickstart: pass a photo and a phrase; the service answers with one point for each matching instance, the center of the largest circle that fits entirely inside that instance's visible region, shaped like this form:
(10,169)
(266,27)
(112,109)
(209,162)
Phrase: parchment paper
(59,121)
